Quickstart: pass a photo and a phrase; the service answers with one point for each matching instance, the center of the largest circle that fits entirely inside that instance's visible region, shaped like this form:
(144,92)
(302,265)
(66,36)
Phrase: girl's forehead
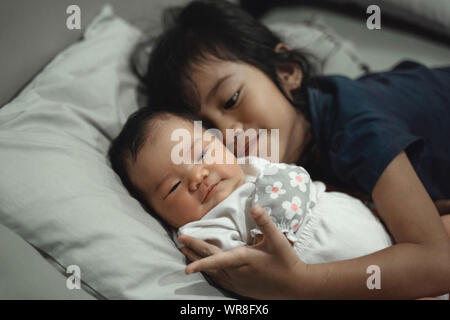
(208,76)
(212,68)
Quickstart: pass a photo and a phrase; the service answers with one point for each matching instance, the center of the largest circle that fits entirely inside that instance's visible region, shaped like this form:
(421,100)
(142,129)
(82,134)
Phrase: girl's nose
(234,128)
(196,176)
(224,121)
(232,124)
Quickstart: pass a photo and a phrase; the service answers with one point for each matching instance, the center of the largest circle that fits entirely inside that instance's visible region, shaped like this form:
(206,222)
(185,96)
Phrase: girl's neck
(301,140)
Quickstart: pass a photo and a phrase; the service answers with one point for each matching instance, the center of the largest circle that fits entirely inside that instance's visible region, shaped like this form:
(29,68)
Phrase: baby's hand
(260,237)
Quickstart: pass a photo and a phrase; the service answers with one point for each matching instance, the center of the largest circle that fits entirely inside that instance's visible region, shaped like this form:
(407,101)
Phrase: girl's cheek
(256,113)
(227,156)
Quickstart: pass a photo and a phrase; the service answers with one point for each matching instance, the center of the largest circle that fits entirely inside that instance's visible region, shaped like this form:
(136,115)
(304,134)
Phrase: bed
(66,93)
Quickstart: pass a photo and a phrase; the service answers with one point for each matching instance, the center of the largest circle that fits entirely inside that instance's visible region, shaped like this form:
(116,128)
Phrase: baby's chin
(225,192)
(216,200)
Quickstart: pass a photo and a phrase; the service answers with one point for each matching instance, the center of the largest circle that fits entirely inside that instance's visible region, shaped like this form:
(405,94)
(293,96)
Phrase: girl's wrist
(298,281)
(309,281)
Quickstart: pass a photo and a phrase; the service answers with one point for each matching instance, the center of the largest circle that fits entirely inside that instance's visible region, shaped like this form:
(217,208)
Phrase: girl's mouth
(250,147)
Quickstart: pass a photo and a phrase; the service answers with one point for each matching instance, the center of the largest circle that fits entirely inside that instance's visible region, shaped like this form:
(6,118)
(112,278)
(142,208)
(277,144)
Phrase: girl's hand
(265,270)
(259,237)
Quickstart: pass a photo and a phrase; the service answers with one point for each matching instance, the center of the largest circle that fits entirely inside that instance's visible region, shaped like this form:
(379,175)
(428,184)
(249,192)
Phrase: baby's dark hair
(206,28)
(125,147)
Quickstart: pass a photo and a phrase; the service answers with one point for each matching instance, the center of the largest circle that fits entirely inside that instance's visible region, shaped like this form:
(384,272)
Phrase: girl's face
(239,96)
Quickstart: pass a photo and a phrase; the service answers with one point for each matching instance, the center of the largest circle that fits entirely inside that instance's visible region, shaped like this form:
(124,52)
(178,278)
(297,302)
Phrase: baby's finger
(220,260)
(200,247)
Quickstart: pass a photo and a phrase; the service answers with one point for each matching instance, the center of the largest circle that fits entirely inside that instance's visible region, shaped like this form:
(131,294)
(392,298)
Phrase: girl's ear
(289,74)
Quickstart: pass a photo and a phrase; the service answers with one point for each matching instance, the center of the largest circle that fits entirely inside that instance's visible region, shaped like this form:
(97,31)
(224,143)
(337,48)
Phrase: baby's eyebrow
(161,182)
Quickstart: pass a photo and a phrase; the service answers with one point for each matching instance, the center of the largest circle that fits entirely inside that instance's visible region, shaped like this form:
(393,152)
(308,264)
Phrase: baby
(209,197)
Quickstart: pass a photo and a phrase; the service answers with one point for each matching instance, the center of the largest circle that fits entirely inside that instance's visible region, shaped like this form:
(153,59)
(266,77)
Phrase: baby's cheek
(221,196)
(184,209)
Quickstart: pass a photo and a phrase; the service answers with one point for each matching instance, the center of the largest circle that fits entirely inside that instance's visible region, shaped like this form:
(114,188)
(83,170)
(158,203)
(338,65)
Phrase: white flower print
(273,168)
(299,180)
(275,190)
(270,170)
(292,207)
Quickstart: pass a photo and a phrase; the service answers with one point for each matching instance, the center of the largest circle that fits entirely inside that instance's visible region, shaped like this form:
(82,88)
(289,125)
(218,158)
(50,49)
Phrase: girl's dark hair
(198,30)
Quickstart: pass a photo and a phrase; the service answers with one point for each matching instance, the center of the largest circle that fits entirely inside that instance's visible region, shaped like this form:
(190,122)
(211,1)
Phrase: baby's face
(182,193)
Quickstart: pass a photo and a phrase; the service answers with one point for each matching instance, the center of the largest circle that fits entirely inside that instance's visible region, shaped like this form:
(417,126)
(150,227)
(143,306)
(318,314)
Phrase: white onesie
(323,226)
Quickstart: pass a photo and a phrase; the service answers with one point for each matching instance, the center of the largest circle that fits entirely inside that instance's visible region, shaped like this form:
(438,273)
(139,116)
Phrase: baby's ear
(289,73)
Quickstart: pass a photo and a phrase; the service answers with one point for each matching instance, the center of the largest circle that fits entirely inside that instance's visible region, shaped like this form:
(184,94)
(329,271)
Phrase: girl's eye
(174,187)
(230,103)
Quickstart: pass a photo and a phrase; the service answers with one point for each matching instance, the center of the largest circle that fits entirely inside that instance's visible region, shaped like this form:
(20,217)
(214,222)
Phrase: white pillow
(432,15)
(57,190)
(333,54)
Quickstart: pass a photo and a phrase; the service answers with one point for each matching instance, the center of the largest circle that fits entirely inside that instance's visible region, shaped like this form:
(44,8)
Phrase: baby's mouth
(210,192)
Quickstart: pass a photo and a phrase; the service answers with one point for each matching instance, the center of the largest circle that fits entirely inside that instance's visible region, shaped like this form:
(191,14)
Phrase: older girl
(384,135)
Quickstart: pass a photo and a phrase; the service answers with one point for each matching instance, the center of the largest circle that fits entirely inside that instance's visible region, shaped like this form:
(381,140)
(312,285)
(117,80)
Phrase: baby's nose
(197,176)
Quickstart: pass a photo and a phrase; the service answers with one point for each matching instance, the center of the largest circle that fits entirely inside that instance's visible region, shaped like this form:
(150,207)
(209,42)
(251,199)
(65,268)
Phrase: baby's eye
(203,154)
(230,103)
(174,187)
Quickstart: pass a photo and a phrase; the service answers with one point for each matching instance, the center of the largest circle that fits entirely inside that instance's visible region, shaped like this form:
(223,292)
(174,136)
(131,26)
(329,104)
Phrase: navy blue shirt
(361,125)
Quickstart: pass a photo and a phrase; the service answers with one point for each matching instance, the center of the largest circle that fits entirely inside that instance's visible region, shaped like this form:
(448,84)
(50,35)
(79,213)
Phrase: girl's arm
(417,265)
